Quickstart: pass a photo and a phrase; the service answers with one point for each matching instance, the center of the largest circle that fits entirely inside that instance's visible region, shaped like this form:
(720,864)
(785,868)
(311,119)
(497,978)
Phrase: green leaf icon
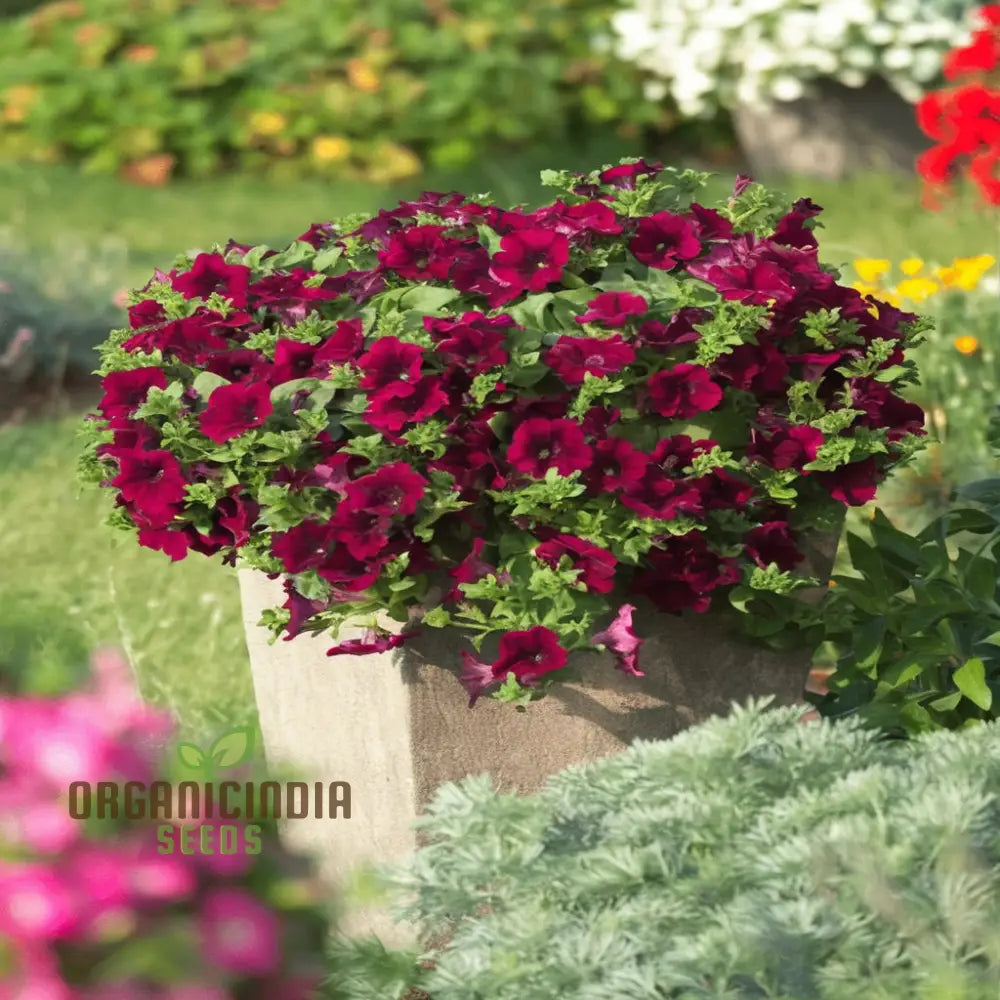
(233,748)
(191,756)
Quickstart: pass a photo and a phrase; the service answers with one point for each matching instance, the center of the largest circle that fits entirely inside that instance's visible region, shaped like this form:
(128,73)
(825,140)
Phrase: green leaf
(327,257)
(970,679)
(233,748)
(206,383)
(191,756)
(984,491)
(427,298)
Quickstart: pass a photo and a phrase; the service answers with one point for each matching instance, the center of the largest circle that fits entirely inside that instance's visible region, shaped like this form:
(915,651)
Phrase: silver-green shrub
(752,856)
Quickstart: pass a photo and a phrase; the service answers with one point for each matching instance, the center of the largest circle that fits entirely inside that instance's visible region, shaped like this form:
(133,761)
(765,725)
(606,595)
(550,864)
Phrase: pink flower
(621,640)
(37,904)
(371,642)
(239,934)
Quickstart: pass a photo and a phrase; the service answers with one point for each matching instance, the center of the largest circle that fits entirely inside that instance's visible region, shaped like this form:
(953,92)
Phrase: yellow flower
(362,76)
(947,276)
(870,269)
(911,266)
(966,344)
(864,288)
(330,148)
(970,270)
(267,122)
(916,289)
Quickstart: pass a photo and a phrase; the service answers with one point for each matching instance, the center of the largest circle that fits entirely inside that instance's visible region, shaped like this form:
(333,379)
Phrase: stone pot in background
(395,725)
(840,132)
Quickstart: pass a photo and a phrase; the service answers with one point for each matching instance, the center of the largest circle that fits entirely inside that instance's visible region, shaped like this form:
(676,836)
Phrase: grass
(78,584)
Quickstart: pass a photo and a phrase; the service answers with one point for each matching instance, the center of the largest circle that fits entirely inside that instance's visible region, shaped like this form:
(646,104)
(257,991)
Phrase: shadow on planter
(839,132)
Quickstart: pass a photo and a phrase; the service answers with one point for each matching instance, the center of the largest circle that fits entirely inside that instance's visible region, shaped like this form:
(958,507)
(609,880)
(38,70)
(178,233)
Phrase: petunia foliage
(509,421)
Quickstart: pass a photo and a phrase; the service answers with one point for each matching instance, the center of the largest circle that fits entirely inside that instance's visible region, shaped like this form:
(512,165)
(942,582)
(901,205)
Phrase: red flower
(476,342)
(372,642)
(664,239)
(853,485)
(419,254)
(540,444)
(773,542)
(613,309)
(527,655)
(364,533)
(151,481)
(127,390)
(658,496)
(304,547)
(617,465)
(789,447)
(596,565)
(397,404)
(390,490)
(683,575)
(388,361)
(530,259)
(244,365)
(591,217)
(621,640)
(625,174)
(572,358)
(234,409)
(683,391)
(679,330)
(209,274)
(344,344)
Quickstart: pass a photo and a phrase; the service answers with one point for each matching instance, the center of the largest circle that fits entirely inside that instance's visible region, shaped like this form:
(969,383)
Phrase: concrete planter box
(396,725)
(839,132)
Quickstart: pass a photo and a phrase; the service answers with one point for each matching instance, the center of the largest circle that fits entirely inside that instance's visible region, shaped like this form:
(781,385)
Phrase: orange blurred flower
(152,171)
(362,76)
(141,53)
(966,344)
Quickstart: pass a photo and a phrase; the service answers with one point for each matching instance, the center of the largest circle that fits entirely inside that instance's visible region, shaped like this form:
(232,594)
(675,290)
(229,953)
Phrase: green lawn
(68,582)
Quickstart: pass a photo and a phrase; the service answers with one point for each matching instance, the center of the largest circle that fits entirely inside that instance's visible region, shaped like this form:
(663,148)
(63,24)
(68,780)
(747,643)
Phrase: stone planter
(396,725)
(839,132)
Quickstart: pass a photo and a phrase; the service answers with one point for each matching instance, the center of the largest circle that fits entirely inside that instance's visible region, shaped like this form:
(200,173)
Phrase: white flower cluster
(709,54)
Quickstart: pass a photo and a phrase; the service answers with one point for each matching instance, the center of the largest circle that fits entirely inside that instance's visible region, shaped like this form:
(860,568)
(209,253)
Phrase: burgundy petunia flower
(210,273)
(146,313)
(153,482)
(572,358)
(711,225)
(129,435)
(303,547)
(475,342)
(400,403)
(589,217)
(540,444)
(419,254)
(125,391)
(527,655)
(679,330)
(683,391)
(530,259)
(471,570)
(243,365)
(758,368)
(344,344)
(300,609)
(364,533)
(792,229)
(788,447)
(853,485)
(883,408)
(674,454)
(721,490)
(617,465)
(624,175)
(596,565)
(392,489)
(682,576)
(773,542)
(390,361)
(613,309)
(621,640)
(664,239)
(234,409)
(658,496)
(318,234)
(371,642)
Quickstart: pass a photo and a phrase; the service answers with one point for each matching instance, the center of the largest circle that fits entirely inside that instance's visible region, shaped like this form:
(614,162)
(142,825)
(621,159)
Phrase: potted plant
(542,450)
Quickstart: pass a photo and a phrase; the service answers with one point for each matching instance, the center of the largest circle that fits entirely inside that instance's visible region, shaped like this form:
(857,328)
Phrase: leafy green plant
(193,87)
(752,856)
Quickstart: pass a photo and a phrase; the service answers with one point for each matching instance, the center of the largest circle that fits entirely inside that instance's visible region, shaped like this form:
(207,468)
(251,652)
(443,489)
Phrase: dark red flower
(146,313)
(883,408)
(304,547)
(617,465)
(528,655)
(300,609)
(792,229)
(371,642)
(788,447)
(711,225)
(390,490)
(530,259)
(243,365)
(318,234)
(683,391)
(720,490)
(390,361)
(621,640)
(209,274)
(476,342)
(625,174)
(344,344)
(125,391)
(773,542)
(613,309)
(590,217)
(400,403)
(682,575)
(596,565)
(419,254)
(364,533)
(129,435)
(679,330)
(540,444)
(853,485)
(152,482)
(664,239)
(234,409)
(658,496)
(572,358)
(674,454)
